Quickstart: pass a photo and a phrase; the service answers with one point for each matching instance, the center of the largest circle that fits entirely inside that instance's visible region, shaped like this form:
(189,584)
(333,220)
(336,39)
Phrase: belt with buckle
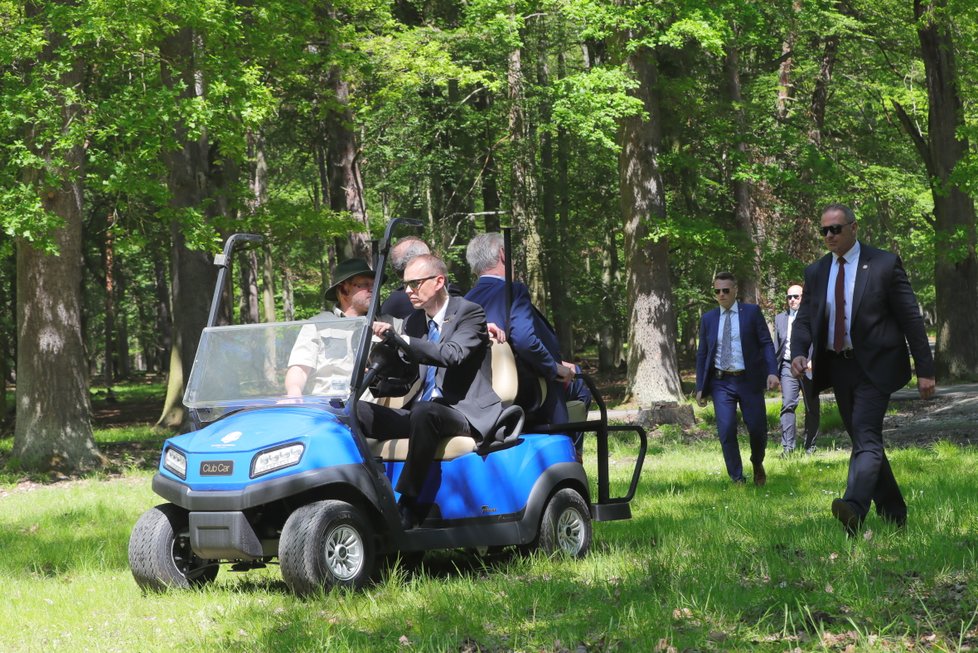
(722,374)
(845,353)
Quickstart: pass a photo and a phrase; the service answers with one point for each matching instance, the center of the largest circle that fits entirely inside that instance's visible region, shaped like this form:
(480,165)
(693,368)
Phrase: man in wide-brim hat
(351,291)
(352,287)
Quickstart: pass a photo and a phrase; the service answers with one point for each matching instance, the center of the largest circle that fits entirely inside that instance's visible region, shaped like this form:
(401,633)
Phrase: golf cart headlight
(175,462)
(275,459)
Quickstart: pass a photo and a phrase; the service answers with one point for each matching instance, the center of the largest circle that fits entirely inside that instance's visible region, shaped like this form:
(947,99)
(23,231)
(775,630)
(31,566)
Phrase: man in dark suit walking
(858,316)
(734,363)
(448,338)
(794,390)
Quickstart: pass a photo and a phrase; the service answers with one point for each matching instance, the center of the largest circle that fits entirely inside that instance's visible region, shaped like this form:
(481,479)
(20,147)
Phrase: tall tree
(943,149)
(653,370)
(190,269)
(53,430)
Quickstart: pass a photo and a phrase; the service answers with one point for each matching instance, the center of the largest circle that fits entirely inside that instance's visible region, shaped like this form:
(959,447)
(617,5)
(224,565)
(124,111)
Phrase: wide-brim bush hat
(351,267)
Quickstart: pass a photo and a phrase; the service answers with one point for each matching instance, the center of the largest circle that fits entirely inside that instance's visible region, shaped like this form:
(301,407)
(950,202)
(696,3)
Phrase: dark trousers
(727,394)
(862,407)
(794,391)
(427,423)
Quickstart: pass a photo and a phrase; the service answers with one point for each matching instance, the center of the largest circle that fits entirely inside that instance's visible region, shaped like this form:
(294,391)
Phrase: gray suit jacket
(463,358)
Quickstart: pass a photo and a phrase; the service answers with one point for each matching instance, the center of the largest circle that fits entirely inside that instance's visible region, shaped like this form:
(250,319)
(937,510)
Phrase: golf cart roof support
(223,262)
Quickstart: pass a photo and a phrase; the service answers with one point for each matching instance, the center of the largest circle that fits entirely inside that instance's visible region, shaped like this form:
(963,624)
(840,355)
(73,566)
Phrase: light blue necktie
(430,370)
(726,343)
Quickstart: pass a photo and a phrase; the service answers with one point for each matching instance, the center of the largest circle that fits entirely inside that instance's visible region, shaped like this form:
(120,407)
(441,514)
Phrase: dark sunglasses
(793,296)
(835,229)
(725,291)
(415,284)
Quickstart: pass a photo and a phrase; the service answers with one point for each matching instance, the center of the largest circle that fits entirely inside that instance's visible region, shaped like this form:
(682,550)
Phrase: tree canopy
(636,148)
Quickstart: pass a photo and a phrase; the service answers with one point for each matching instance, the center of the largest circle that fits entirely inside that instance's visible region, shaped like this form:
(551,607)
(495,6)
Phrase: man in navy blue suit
(734,363)
(533,340)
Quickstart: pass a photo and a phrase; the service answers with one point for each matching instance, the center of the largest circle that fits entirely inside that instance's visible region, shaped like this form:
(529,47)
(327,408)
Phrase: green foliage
(590,105)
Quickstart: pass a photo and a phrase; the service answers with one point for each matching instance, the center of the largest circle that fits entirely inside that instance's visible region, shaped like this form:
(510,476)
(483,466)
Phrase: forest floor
(952,415)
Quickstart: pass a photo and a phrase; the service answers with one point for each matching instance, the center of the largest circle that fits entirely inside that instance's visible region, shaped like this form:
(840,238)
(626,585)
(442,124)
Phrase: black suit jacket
(885,319)
(463,358)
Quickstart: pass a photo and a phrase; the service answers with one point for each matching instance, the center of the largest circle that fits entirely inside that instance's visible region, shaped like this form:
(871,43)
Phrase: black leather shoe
(842,511)
(760,476)
(406,512)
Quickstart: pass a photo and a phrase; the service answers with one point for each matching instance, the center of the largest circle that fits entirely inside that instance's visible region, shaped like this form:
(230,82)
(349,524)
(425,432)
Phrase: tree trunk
(343,168)
(164,322)
(524,193)
(653,372)
(7,307)
(956,266)
(820,95)
(490,187)
(108,259)
(609,334)
(123,369)
(743,205)
(553,249)
(248,288)
(268,284)
(53,428)
(288,295)
(191,272)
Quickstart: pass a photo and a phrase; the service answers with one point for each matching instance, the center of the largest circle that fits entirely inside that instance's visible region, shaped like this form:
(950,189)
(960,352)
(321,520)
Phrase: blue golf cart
(265,477)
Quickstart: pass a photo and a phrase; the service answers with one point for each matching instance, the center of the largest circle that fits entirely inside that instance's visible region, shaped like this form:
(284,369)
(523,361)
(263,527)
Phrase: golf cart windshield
(247,365)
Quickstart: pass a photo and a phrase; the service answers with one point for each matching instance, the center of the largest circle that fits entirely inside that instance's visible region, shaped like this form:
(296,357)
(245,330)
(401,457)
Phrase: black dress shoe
(405,510)
(842,511)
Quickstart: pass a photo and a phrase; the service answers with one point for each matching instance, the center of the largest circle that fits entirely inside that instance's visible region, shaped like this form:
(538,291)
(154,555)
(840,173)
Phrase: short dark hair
(725,276)
(843,208)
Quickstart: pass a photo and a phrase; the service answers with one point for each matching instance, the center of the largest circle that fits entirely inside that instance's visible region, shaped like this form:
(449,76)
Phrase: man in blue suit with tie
(734,363)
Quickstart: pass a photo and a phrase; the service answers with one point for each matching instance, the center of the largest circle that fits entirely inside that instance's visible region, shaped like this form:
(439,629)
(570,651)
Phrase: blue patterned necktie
(430,370)
(726,344)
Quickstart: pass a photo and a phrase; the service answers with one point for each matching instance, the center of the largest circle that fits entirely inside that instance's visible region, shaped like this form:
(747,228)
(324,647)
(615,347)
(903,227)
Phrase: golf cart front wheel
(326,544)
(566,525)
(160,556)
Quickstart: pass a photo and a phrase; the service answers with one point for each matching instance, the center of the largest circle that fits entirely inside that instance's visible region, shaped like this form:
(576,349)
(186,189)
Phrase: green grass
(702,565)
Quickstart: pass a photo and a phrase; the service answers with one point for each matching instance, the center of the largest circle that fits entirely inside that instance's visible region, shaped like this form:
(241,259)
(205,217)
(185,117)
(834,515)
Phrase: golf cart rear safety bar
(606,508)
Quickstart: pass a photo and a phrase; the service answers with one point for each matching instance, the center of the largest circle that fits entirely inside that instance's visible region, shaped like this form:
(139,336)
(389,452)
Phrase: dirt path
(951,415)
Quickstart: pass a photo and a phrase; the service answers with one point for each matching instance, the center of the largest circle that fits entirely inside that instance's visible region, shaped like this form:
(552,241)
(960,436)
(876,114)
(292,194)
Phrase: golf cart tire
(160,556)
(326,544)
(565,528)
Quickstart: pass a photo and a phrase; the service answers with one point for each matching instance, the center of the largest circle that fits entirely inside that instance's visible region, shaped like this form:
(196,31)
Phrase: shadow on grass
(67,540)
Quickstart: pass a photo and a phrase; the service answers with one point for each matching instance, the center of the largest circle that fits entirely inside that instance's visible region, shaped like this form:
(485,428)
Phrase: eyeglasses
(835,229)
(794,296)
(415,284)
(725,291)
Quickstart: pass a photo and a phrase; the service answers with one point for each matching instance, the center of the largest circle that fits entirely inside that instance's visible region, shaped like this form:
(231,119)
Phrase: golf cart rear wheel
(160,556)
(326,544)
(566,525)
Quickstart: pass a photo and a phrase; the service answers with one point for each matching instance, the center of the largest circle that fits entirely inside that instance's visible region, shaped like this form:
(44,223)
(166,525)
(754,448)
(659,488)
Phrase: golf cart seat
(504,433)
